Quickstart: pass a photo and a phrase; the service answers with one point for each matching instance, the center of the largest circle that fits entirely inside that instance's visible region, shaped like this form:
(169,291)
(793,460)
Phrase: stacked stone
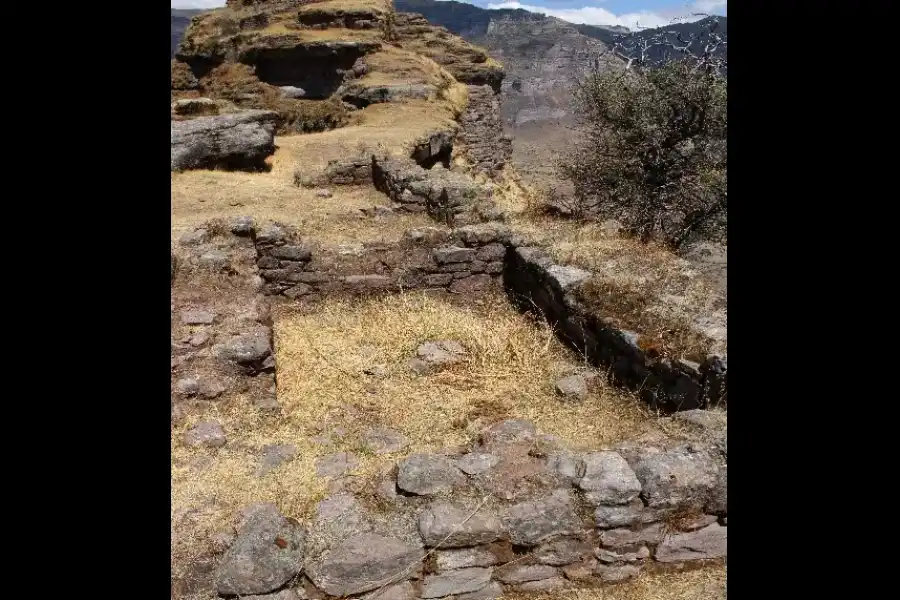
(517,513)
(448,196)
(481,135)
(282,261)
(539,284)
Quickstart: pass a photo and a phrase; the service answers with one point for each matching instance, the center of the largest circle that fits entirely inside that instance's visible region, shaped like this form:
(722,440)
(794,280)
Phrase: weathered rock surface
(236,141)
(457,582)
(400,591)
(335,465)
(205,433)
(562,552)
(534,522)
(608,479)
(572,388)
(616,573)
(248,349)
(521,573)
(455,526)
(448,560)
(631,540)
(476,462)
(611,517)
(428,474)
(707,543)
(363,563)
(267,553)
(382,440)
(491,591)
(678,477)
(509,436)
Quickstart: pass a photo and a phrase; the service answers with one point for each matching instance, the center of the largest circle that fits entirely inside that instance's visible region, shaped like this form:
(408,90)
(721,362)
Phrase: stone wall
(481,136)
(471,260)
(537,284)
(466,260)
(515,512)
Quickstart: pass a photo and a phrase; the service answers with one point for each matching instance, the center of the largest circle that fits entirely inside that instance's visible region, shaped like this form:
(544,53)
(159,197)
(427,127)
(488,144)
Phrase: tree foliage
(653,151)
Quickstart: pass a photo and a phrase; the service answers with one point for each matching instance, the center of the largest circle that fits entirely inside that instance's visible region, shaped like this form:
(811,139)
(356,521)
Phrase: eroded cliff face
(315,63)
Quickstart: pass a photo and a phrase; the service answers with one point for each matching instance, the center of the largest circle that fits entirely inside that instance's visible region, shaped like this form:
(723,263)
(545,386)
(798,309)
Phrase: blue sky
(630,13)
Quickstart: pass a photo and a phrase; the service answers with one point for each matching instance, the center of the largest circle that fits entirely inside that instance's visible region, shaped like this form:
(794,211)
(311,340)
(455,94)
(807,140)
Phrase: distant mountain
(181,18)
(542,55)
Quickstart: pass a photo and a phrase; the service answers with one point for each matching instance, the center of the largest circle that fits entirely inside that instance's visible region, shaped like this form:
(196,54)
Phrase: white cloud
(197,3)
(592,15)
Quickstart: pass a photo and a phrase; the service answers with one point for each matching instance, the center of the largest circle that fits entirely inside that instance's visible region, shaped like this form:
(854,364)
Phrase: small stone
(381,440)
(211,388)
(523,573)
(453,254)
(428,474)
(335,465)
(707,543)
(562,552)
(448,560)
(205,433)
(301,289)
(197,317)
(511,435)
(534,522)
(470,285)
(611,517)
(573,388)
(476,462)
(440,353)
(611,557)
(608,479)
(616,574)
(187,386)
(453,526)
(401,591)
(270,234)
(297,253)
(580,571)
(438,279)
(567,277)
(631,540)
(323,193)
(243,226)
(194,238)
(199,339)
(266,402)
(274,456)
(292,91)
(544,585)
(493,268)
(213,259)
(457,582)
(282,595)
(491,591)
(374,282)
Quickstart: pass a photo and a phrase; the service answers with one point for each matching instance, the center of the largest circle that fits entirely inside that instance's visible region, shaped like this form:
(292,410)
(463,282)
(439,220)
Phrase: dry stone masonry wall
(516,512)
(484,143)
(473,259)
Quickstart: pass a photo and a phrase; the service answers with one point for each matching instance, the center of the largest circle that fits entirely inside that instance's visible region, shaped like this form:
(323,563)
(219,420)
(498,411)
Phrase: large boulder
(237,141)
(267,553)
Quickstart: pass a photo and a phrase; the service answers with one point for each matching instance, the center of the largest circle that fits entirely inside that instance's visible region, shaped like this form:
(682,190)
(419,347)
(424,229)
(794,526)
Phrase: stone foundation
(515,512)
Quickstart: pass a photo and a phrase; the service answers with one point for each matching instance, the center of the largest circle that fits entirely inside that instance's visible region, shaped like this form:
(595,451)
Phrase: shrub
(653,151)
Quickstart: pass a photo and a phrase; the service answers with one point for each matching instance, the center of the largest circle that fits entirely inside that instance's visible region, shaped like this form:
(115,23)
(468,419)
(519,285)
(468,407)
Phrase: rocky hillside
(181,19)
(541,54)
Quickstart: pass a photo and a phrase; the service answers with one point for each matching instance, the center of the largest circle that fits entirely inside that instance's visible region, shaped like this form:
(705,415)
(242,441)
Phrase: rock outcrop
(237,141)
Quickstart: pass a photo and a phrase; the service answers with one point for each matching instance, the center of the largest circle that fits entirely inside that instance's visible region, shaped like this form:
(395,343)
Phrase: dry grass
(317,35)
(708,583)
(509,372)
